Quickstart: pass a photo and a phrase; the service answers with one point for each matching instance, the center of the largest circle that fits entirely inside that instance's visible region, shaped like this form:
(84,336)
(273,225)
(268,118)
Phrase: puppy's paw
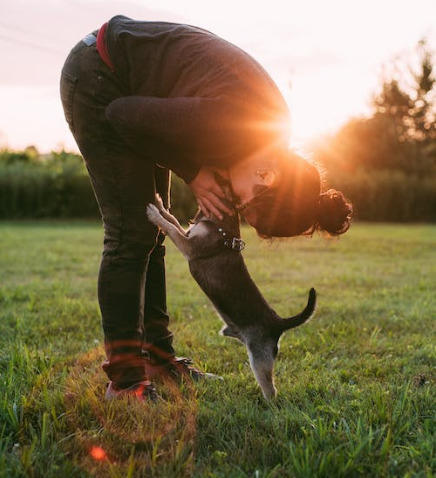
(153,214)
(159,203)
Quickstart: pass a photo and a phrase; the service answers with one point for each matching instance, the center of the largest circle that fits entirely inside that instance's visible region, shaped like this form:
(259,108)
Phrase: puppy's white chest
(199,230)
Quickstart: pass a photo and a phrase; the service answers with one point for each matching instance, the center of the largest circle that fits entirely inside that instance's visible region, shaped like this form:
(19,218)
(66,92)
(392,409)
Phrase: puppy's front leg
(177,234)
(167,215)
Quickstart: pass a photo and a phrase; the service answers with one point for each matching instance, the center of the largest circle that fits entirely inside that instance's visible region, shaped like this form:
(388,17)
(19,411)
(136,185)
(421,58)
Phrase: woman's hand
(209,194)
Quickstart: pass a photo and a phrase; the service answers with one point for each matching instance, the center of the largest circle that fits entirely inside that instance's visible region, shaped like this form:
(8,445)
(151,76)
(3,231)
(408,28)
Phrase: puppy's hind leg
(261,356)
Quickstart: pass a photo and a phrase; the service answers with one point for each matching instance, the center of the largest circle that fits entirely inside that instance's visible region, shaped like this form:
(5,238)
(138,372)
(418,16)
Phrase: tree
(401,132)
(409,100)
(407,105)
(423,127)
(385,163)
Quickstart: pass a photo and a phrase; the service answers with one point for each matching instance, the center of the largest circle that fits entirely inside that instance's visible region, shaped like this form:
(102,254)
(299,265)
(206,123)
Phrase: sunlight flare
(98,453)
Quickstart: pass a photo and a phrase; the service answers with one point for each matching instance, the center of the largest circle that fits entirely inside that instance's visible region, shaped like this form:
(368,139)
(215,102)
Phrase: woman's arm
(205,130)
(185,134)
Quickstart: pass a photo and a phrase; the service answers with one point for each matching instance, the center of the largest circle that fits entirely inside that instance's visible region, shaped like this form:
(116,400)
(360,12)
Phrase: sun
(321,105)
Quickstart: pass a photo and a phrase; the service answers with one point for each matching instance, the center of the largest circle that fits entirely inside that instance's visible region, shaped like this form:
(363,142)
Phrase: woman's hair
(296,206)
(334,214)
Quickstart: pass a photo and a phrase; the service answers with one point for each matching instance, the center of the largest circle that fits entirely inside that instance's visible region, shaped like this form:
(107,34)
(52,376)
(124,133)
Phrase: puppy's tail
(286,324)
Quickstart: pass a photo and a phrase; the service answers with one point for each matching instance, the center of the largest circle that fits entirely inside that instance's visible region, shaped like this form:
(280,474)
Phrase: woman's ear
(267,176)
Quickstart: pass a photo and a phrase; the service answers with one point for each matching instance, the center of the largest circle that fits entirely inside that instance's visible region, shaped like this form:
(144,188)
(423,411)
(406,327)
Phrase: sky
(325,56)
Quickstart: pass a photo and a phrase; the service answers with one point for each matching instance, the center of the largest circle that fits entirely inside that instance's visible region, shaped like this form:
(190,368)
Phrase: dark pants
(131,283)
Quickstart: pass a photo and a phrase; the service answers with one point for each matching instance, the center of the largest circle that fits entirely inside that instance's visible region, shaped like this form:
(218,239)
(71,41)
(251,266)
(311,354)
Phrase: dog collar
(234,243)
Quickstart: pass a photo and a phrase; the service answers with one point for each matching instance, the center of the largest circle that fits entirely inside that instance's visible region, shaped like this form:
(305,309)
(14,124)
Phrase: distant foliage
(389,195)
(183,202)
(386,163)
(57,186)
(34,186)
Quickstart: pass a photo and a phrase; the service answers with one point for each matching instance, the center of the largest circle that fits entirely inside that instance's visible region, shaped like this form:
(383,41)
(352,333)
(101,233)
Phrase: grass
(356,385)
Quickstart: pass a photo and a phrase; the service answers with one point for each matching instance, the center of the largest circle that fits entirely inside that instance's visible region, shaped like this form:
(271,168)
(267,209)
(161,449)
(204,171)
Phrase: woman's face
(248,174)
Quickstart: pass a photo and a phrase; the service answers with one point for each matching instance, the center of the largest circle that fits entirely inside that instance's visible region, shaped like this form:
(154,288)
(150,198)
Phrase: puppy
(213,249)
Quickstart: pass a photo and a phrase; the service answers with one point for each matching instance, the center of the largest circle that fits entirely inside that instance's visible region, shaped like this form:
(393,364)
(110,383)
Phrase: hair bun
(335,212)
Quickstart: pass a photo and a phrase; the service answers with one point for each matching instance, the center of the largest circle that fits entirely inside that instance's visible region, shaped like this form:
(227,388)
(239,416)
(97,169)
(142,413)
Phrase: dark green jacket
(196,98)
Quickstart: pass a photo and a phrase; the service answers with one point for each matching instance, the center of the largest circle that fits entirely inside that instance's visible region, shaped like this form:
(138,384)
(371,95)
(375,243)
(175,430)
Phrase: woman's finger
(202,207)
(219,204)
(212,208)
(217,190)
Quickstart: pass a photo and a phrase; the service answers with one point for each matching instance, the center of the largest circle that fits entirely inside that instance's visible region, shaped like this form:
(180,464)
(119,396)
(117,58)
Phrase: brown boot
(143,391)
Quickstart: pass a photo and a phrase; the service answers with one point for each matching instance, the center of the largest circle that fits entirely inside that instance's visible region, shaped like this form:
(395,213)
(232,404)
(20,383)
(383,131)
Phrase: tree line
(57,185)
(384,163)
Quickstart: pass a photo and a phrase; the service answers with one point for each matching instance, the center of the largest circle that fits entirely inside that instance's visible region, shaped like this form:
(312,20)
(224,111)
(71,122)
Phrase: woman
(144,98)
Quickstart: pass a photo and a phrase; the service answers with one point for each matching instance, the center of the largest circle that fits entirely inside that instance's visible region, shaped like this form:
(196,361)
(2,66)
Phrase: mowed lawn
(356,384)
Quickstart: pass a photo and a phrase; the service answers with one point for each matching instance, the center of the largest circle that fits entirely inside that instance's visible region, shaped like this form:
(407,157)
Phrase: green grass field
(356,384)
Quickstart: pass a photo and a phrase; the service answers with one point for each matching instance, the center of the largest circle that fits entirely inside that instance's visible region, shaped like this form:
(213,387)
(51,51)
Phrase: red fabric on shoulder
(102,49)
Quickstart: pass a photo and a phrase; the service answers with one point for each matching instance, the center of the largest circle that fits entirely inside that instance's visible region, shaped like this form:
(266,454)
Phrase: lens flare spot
(98,453)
